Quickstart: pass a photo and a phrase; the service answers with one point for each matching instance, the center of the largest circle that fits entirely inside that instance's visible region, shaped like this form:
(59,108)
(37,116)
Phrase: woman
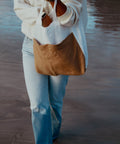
(45,92)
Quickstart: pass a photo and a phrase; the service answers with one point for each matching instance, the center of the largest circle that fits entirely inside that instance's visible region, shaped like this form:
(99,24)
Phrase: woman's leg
(37,88)
(57,87)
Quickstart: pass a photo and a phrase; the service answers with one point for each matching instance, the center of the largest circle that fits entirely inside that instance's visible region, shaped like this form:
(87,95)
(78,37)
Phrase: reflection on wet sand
(91,104)
(107,13)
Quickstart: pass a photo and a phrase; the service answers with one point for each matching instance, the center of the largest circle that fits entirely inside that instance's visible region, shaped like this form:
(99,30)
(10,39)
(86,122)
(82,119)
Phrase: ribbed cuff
(66,16)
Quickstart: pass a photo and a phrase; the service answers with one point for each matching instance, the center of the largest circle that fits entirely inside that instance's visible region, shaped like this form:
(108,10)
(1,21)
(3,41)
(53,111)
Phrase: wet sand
(91,109)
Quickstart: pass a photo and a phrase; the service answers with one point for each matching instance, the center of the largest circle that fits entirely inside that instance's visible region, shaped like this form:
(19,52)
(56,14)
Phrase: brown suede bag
(65,58)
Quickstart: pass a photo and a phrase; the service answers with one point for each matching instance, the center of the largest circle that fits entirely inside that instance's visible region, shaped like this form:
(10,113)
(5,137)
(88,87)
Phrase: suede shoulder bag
(56,49)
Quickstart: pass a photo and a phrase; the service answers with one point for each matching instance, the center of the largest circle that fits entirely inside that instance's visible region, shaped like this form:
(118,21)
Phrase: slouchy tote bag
(56,49)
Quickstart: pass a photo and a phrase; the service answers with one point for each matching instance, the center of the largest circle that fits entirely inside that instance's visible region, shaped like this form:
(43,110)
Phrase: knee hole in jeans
(40,109)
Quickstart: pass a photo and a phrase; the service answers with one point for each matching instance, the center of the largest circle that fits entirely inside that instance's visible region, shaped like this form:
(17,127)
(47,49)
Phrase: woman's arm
(25,11)
(68,11)
(60,8)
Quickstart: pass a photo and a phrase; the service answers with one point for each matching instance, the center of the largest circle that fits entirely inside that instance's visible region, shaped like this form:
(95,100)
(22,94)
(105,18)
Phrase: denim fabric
(46,95)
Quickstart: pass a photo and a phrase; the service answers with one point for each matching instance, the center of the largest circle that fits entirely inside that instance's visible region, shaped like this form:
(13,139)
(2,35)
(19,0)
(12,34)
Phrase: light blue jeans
(46,95)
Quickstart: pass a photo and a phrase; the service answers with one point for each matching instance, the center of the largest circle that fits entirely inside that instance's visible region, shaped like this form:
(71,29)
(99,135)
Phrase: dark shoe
(55,139)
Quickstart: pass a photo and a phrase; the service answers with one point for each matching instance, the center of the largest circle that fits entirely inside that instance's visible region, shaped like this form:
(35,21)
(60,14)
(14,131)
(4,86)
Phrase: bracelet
(43,15)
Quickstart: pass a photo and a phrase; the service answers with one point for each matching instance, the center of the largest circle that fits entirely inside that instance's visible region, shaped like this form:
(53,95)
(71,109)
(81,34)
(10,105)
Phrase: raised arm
(68,11)
(25,11)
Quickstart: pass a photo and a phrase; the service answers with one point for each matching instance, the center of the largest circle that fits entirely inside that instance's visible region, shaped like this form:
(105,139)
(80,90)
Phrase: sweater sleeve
(25,11)
(72,13)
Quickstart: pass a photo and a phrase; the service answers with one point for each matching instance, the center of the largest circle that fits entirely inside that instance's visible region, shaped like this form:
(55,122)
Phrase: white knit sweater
(28,11)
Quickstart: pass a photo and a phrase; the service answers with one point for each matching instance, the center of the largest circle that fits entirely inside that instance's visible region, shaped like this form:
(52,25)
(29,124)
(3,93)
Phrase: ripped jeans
(46,95)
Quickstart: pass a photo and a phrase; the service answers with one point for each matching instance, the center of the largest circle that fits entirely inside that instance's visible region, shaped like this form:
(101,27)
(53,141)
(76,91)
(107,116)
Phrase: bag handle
(54,10)
(39,20)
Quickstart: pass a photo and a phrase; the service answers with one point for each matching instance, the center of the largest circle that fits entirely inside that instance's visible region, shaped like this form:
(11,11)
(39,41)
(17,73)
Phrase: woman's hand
(46,20)
(60,8)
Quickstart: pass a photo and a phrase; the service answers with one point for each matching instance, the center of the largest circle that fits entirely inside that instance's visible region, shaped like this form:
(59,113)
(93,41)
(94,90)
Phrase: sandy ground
(91,109)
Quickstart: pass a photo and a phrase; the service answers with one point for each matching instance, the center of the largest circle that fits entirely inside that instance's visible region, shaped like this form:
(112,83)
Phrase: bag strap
(54,10)
(39,20)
